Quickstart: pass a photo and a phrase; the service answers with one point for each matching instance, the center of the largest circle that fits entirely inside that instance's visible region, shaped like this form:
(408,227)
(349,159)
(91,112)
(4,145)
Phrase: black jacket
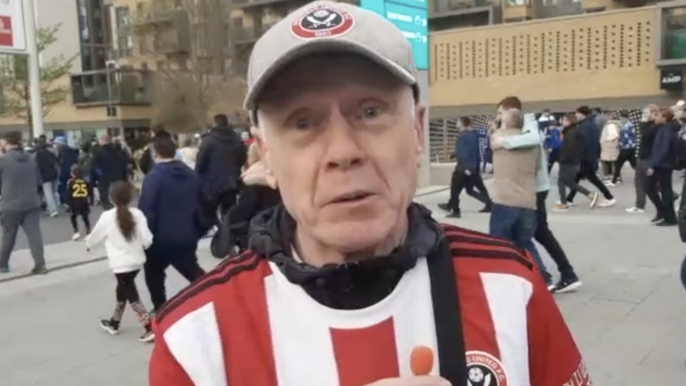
(660,156)
(253,200)
(572,149)
(648,131)
(591,135)
(220,158)
(47,164)
(110,164)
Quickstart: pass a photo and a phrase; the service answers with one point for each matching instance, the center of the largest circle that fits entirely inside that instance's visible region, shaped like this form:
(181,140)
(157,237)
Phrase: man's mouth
(351,197)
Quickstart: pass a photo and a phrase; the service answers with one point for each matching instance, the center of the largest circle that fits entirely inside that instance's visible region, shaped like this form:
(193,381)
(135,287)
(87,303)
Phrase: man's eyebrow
(275,94)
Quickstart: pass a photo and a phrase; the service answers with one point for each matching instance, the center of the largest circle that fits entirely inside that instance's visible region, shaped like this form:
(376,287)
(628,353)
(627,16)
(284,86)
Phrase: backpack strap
(447,315)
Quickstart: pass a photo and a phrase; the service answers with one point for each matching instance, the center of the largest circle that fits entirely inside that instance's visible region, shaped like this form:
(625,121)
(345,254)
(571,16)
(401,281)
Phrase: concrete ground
(629,318)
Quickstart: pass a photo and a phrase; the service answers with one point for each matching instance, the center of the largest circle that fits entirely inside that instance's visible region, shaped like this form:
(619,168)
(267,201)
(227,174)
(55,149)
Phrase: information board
(411,17)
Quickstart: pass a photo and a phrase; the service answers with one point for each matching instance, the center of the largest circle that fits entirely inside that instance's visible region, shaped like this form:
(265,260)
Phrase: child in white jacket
(126,235)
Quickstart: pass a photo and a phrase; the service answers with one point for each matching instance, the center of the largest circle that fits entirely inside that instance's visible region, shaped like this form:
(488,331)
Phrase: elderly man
(345,280)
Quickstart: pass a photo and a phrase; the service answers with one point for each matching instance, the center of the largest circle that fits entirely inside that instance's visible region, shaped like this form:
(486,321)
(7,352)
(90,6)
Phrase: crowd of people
(341,277)
(587,145)
(185,193)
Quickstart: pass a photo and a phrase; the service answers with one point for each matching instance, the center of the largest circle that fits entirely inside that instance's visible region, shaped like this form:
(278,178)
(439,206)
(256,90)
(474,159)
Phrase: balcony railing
(444,6)
(125,87)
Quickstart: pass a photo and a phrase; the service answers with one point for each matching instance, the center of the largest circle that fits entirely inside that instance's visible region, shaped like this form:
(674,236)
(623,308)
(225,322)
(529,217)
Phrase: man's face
(579,116)
(343,138)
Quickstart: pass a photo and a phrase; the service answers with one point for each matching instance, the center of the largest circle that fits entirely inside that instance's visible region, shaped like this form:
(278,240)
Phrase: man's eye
(371,112)
(303,123)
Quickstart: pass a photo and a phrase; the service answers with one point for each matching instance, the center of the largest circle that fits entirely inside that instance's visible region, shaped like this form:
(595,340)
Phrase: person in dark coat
(67,157)
(47,166)
(170,201)
(660,168)
(589,160)
(259,192)
(109,166)
(466,174)
(571,154)
(221,156)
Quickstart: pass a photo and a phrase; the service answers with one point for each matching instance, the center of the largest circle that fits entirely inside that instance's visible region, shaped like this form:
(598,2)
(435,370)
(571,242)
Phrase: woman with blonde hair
(258,193)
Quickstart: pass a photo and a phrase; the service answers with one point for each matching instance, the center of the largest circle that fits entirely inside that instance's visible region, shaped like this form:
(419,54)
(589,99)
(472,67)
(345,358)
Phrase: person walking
(20,205)
(609,149)
(220,158)
(589,160)
(125,232)
(553,140)
(259,192)
(648,131)
(531,137)
(627,147)
(111,165)
(78,201)
(571,153)
(467,173)
(48,166)
(660,169)
(170,200)
(513,216)
(86,165)
(67,157)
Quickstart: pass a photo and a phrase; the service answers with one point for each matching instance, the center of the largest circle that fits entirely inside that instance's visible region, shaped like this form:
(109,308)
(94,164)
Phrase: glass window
(674,33)
(517,3)
(123,16)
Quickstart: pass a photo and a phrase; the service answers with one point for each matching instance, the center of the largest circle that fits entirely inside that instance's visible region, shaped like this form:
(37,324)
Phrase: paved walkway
(629,318)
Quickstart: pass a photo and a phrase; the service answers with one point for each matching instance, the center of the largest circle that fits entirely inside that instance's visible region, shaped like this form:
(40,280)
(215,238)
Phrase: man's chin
(356,236)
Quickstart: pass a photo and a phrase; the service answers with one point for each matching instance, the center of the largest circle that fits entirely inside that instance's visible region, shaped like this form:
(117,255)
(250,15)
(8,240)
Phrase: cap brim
(318,47)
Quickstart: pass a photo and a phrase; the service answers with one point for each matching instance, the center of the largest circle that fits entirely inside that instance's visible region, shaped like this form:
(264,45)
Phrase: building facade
(618,59)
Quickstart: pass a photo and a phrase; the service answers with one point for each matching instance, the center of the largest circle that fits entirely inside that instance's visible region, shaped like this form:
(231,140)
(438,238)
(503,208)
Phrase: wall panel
(578,57)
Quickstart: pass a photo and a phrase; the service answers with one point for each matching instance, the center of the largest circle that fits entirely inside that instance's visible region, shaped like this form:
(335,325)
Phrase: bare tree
(14,78)
(191,38)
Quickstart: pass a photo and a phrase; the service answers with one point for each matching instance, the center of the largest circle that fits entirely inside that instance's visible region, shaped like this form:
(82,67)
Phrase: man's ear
(261,142)
(420,128)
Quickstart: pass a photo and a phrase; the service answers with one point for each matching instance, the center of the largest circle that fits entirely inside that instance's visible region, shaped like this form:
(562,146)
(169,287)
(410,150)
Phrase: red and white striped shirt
(245,324)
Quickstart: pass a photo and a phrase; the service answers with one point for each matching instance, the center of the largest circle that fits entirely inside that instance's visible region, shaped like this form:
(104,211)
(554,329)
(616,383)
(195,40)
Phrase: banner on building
(411,17)
(12,32)
(672,79)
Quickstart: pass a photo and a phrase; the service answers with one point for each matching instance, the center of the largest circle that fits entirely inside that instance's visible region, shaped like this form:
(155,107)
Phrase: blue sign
(411,17)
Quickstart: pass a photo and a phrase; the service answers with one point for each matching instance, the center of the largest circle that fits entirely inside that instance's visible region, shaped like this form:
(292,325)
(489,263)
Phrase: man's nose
(343,151)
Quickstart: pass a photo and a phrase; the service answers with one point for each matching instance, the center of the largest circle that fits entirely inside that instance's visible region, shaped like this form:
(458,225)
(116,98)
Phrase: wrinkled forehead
(327,72)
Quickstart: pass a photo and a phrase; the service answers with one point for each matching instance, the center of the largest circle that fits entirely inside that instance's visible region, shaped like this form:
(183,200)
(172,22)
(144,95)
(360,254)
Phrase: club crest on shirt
(322,21)
(484,369)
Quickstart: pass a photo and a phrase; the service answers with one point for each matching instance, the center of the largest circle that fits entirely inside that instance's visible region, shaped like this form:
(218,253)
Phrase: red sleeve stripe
(490,253)
(466,243)
(221,274)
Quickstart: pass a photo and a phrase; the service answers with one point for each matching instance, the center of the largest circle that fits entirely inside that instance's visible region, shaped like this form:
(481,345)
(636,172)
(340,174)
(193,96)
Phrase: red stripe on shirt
(365,355)
(479,333)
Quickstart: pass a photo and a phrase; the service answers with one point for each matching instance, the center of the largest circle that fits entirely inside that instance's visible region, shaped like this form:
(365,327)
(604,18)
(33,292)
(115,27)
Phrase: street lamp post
(33,68)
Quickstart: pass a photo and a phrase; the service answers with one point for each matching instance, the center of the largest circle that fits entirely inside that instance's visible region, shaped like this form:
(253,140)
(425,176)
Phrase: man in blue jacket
(589,160)
(170,200)
(466,174)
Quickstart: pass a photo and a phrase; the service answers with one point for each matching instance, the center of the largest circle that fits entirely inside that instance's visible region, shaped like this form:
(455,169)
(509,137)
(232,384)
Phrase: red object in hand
(421,360)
